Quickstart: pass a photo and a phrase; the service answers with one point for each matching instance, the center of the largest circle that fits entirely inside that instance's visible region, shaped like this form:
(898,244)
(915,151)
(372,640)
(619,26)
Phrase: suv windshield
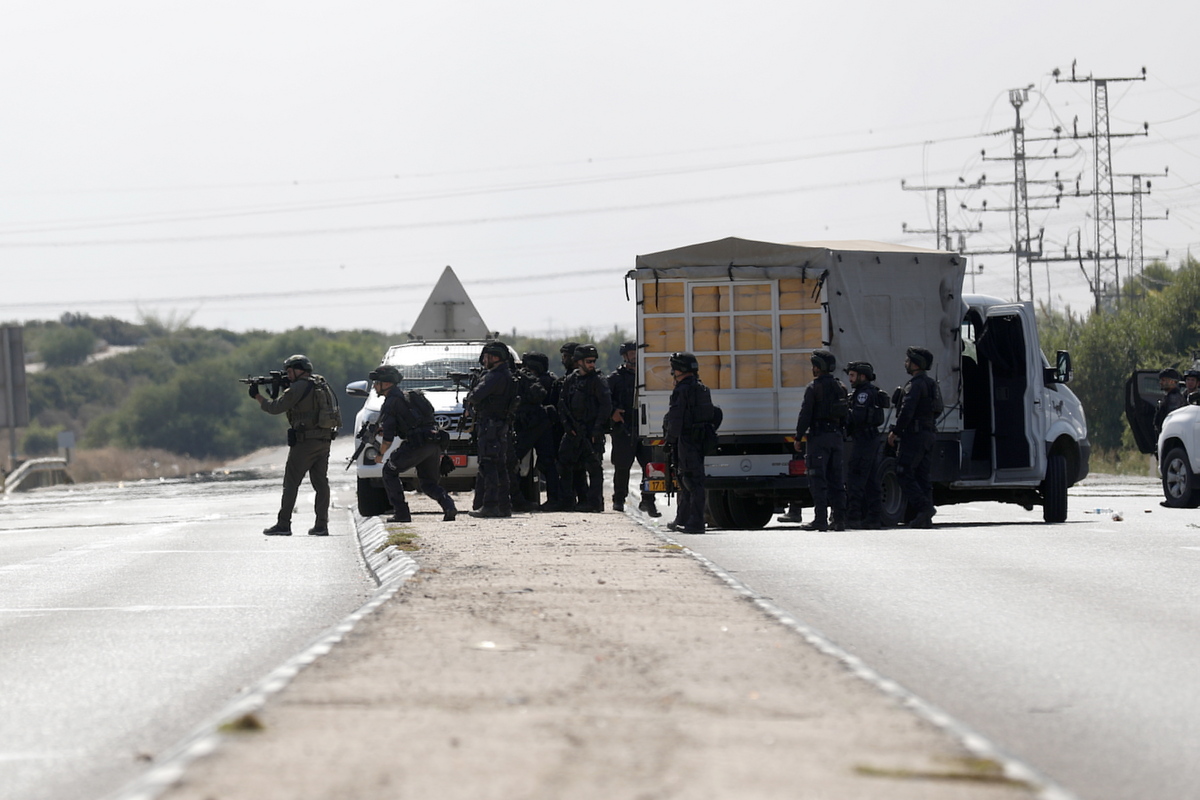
(426,366)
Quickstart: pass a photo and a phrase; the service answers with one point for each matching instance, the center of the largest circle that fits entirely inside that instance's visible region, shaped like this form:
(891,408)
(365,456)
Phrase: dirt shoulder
(581,656)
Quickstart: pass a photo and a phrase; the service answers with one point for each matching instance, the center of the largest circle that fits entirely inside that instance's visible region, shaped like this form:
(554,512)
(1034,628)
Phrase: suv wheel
(1178,482)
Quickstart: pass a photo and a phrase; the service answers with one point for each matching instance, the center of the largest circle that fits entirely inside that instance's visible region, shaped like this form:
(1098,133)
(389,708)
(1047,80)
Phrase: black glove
(253,390)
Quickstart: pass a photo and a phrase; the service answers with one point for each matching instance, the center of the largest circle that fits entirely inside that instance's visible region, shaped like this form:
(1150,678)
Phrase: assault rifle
(276,381)
(365,435)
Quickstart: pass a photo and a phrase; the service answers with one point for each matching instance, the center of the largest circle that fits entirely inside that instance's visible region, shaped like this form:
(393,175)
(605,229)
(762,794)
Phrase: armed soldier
(540,416)
(822,417)
(1168,381)
(1191,383)
(690,409)
(408,416)
(491,404)
(864,495)
(584,407)
(916,424)
(625,444)
(308,442)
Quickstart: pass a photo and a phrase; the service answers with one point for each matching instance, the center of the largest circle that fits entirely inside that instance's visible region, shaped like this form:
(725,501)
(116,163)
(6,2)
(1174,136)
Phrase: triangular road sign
(449,314)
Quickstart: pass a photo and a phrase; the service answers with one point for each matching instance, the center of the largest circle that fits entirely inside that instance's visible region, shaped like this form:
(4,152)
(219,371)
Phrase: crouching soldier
(864,496)
(409,417)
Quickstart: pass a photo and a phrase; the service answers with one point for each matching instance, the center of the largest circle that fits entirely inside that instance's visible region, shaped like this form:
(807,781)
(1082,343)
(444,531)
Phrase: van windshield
(427,366)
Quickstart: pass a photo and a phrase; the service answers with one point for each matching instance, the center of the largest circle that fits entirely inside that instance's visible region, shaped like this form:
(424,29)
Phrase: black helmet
(538,362)
(1169,372)
(568,348)
(498,349)
(299,361)
(921,357)
(1192,373)
(585,351)
(862,368)
(628,347)
(823,360)
(684,362)
(386,373)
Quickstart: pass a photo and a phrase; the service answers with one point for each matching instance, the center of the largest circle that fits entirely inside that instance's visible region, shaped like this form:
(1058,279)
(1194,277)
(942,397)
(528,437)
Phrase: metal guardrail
(47,471)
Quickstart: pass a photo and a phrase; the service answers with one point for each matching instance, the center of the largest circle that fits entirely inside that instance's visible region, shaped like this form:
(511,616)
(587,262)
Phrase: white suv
(441,370)
(1177,446)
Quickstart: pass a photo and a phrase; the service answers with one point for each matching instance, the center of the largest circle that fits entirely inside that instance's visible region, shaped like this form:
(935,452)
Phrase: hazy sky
(271,165)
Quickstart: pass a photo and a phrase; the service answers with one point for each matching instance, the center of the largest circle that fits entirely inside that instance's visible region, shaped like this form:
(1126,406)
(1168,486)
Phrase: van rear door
(1009,346)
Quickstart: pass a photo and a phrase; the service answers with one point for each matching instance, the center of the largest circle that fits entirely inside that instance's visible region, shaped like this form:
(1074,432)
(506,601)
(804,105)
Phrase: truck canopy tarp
(881,298)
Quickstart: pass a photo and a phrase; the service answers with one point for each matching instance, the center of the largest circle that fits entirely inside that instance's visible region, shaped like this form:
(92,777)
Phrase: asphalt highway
(129,613)
(1072,647)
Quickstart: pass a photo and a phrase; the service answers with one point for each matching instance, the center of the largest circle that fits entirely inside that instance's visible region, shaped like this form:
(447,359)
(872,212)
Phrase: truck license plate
(458,460)
(654,485)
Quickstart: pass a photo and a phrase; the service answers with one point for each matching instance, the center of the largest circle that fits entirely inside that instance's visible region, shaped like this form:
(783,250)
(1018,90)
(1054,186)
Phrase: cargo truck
(752,313)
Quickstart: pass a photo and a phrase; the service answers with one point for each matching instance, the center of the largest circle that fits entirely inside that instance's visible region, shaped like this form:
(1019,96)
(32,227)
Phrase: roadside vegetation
(169,403)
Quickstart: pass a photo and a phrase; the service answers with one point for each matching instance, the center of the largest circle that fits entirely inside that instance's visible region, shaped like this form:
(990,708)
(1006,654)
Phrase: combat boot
(816,525)
(649,507)
(401,515)
(618,503)
(488,512)
(278,529)
(320,529)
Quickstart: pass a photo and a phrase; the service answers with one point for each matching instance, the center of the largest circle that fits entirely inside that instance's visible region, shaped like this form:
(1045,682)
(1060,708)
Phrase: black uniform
(691,407)
(864,496)
(625,444)
(1170,401)
(308,451)
(820,421)
(584,406)
(491,402)
(915,427)
(403,416)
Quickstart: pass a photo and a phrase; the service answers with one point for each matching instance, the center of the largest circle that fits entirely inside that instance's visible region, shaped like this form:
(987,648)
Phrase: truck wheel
(1054,489)
(716,508)
(1178,482)
(893,498)
(372,500)
(750,512)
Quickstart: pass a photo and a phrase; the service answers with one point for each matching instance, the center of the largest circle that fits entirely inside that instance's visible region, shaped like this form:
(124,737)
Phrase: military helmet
(684,362)
(386,373)
(299,361)
(585,351)
(1192,373)
(498,349)
(568,348)
(823,360)
(1169,372)
(920,356)
(541,360)
(628,347)
(862,368)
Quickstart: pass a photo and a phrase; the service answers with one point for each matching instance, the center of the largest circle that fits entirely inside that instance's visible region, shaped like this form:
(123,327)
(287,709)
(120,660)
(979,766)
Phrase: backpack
(875,415)
(421,405)
(709,442)
(329,415)
(938,405)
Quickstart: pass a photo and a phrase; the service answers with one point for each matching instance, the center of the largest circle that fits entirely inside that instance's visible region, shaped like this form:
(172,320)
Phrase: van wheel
(1178,482)
(372,500)
(893,498)
(749,512)
(1054,489)
(716,509)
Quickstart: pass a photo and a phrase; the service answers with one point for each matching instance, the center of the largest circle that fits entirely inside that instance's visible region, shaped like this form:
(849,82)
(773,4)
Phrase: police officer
(574,484)
(864,495)
(690,407)
(916,422)
(625,443)
(491,403)
(535,423)
(1168,381)
(584,407)
(308,445)
(1191,383)
(822,418)
(409,417)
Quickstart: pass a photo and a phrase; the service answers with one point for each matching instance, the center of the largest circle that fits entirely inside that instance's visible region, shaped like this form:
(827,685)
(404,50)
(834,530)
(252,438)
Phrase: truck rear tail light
(656,470)
(797,467)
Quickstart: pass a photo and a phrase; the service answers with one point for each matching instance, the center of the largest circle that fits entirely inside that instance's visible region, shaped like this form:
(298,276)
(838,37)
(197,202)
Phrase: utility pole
(1106,283)
(1137,255)
(943,230)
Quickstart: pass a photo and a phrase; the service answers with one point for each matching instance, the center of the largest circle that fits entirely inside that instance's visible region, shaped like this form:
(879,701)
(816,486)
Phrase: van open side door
(1142,394)
(1009,346)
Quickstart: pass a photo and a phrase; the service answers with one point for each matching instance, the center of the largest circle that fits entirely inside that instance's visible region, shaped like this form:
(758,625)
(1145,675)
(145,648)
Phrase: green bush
(39,441)
(65,347)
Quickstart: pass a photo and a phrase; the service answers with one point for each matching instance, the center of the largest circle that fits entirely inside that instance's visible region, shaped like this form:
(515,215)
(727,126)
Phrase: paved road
(130,614)
(1072,647)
